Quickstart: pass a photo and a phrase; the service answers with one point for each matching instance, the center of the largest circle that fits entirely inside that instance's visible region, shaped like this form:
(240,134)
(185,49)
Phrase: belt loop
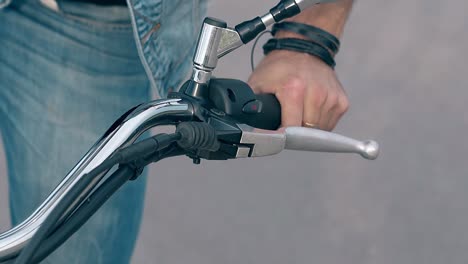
(51,4)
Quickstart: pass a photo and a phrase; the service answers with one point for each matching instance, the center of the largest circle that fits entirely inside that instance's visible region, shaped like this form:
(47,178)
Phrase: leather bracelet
(315,34)
(300,45)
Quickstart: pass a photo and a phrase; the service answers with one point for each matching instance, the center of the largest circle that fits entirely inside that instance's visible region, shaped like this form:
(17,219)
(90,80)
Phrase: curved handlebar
(233,121)
(122,133)
(251,142)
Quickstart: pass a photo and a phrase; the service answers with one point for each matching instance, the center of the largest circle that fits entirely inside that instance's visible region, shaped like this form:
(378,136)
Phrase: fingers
(291,97)
(339,110)
(338,104)
(319,103)
(328,111)
(325,105)
(314,102)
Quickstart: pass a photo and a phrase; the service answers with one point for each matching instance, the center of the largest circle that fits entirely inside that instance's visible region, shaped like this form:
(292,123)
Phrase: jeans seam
(181,59)
(141,53)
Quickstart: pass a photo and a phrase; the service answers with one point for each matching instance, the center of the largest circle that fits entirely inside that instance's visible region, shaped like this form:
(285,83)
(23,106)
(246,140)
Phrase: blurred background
(404,66)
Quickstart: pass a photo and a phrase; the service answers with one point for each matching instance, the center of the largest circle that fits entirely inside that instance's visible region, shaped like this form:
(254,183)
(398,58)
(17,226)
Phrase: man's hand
(308,89)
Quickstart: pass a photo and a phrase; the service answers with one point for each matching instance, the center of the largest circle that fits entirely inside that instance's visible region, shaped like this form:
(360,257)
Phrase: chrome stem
(124,132)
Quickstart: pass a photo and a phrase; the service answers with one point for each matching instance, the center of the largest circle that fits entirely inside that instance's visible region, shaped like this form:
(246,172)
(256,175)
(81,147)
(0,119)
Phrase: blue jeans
(64,78)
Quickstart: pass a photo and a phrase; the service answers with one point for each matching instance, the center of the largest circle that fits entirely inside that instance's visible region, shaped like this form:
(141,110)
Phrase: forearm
(330,17)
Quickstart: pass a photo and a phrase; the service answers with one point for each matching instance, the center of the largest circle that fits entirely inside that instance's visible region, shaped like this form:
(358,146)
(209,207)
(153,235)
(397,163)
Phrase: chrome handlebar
(122,133)
(253,143)
(214,42)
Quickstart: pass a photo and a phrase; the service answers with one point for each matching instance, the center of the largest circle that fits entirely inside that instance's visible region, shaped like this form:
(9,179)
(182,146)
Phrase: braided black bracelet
(315,34)
(300,45)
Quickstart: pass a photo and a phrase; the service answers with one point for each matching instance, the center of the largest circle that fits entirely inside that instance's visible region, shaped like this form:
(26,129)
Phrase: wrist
(296,58)
(289,34)
(333,27)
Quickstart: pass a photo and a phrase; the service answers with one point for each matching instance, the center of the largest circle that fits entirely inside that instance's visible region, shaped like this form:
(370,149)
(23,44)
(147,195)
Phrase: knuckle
(320,96)
(344,105)
(332,101)
(296,83)
(295,88)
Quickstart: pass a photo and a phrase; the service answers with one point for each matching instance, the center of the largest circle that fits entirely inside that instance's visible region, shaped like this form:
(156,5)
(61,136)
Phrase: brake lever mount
(226,101)
(203,101)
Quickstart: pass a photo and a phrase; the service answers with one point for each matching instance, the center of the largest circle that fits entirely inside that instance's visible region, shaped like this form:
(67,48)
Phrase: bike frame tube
(122,133)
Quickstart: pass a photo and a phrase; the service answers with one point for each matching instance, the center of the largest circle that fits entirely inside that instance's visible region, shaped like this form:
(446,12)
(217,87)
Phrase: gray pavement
(404,66)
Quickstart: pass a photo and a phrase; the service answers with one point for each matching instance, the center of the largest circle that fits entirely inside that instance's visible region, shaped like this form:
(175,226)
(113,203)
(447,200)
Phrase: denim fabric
(64,78)
(4,3)
(166,32)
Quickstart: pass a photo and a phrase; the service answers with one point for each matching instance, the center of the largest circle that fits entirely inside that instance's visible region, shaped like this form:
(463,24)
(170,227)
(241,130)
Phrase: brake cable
(133,153)
(95,200)
(241,125)
(188,135)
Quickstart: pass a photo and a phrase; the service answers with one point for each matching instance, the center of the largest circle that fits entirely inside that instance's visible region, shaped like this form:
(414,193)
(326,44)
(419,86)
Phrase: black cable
(55,215)
(86,210)
(252,51)
(132,152)
(93,203)
(145,147)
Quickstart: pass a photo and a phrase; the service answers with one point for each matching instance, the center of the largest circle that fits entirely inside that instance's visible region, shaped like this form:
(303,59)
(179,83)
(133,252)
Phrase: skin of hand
(308,90)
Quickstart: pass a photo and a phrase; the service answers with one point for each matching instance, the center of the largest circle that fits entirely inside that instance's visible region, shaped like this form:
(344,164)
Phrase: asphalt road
(404,66)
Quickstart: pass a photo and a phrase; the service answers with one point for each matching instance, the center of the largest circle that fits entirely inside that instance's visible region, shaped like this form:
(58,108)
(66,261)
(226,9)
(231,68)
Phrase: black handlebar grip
(236,99)
(269,116)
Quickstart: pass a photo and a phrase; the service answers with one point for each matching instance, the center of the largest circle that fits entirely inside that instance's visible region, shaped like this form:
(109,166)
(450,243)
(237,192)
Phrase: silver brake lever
(258,142)
(309,139)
